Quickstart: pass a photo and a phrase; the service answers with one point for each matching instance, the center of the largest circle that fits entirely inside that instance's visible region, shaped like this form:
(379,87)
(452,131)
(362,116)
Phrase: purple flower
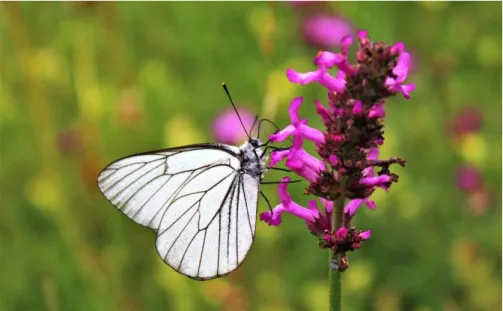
(377,111)
(298,127)
(273,218)
(299,161)
(357,108)
(467,120)
(395,84)
(375,181)
(365,235)
(325,31)
(335,84)
(353,205)
(228,130)
(347,149)
(468,178)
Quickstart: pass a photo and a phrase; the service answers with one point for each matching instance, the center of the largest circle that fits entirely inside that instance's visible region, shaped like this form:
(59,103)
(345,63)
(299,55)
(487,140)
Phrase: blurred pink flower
(325,31)
(468,178)
(129,110)
(228,130)
(479,201)
(68,141)
(467,120)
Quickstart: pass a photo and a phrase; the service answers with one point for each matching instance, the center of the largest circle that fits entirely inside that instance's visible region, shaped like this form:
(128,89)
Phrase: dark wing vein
(247,210)
(190,219)
(232,188)
(171,196)
(237,214)
(192,193)
(135,180)
(202,252)
(150,198)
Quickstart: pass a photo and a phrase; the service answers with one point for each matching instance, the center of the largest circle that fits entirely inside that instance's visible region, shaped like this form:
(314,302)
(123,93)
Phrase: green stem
(335,277)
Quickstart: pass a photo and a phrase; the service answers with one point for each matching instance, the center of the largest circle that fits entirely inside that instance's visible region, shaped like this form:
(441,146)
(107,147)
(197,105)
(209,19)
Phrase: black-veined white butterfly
(200,199)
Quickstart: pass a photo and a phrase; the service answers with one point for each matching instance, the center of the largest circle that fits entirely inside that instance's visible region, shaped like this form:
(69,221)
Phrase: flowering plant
(347,165)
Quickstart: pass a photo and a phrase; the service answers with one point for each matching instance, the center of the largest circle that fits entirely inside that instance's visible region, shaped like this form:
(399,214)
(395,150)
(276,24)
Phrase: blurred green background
(86,83)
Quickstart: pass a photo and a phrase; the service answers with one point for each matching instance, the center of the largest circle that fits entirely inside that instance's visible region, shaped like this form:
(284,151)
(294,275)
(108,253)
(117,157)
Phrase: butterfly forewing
(201,204)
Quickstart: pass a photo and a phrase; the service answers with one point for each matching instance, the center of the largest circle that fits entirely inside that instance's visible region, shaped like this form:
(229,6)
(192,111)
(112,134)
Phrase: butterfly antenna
(266,200)
(235,109)
(253,125)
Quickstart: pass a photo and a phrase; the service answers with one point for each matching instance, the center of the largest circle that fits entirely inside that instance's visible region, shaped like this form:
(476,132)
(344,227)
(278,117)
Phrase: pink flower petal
(365,235)
(375,181)
(302,78)
(322,111)
(341,234)
(293,110)
(284,196)
(357,108)
(371,204)
(377,111)
(283,134)
(353,206)
(346,42)
(329,205)
(273,218)
(277,156)
(373,154)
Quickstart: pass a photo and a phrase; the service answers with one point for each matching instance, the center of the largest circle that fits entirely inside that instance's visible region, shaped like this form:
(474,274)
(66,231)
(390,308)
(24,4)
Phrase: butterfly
(201,200)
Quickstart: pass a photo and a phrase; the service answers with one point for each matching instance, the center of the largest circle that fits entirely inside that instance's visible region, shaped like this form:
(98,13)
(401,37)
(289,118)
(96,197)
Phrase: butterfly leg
(267,200)
(279,169)
(279,182)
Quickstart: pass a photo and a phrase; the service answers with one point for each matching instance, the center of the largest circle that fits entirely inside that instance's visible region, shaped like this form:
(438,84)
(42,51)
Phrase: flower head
(347,163)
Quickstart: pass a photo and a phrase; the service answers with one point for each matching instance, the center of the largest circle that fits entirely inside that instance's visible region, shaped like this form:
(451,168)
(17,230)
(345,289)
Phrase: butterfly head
(255,142)
(253,162)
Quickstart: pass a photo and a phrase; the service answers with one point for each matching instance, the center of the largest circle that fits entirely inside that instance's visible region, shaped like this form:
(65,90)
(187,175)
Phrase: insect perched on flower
(201,200)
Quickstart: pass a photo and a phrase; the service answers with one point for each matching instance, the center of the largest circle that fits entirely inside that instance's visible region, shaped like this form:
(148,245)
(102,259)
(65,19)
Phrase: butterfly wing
(208,230)
(195,197)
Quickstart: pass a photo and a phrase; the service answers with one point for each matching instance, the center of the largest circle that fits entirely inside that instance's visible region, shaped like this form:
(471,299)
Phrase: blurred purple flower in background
(228,130)
(325,31)
(468,178)
(128,108)
(69,141)
(347,164)
(465,121)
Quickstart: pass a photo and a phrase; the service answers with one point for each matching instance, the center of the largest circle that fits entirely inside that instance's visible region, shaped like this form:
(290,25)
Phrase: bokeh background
(86,83)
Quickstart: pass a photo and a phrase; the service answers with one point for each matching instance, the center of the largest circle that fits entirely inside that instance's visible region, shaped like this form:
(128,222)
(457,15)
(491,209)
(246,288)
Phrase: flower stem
(334,276)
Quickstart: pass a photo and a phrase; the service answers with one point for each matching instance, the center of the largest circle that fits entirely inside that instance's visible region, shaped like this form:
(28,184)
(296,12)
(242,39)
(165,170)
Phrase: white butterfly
(200,199)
